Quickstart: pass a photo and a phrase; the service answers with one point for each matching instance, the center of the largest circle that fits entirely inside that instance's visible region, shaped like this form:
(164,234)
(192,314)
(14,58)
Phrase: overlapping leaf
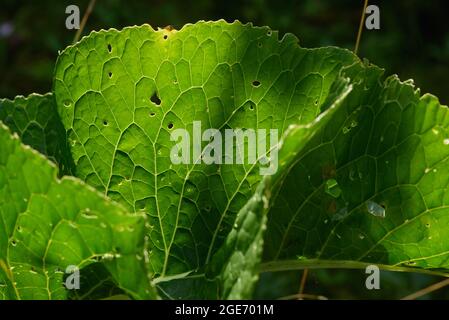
(48,225)
(36,120)
(386,151)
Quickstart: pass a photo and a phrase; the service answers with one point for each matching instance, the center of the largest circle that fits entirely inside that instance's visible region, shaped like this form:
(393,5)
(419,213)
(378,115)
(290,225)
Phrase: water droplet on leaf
(332,188)
(375,209)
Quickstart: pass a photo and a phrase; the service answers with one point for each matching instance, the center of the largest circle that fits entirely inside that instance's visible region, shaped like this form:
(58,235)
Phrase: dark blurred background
(413,42)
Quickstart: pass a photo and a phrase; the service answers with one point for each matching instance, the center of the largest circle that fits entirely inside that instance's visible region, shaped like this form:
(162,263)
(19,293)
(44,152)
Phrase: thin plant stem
(303,281)
(429,289)
(359,34)
(90,7)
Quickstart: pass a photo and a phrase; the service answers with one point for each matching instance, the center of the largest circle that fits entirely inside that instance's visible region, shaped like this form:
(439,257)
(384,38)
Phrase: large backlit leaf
(121,93)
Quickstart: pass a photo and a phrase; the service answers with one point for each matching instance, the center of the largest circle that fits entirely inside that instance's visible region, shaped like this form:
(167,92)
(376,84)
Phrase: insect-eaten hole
(110,74)
(269,33)
(256,83)
(67,103)
(109,48)
(170,126)
(251,105)
(165,37)
(152,114)
(155,99)
(259,44)
(105,122)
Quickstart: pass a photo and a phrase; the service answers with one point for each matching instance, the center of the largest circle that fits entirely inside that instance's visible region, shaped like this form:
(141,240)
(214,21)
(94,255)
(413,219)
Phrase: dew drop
(108,256)
(375,209)
(332,188)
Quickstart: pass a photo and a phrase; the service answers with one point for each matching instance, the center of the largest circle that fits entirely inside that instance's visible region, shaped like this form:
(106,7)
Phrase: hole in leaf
(110,74)
(67,103)
(260,44)
(170,125)
(269,33)
(105,122)
(165,37)
(152,114)
(155,99)
(256,83)
(251,105)
(109,48)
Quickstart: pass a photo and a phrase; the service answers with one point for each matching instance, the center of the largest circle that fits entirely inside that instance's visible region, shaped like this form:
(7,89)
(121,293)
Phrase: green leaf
(233,270)
(47,225)
(36,120)
(387,150)
(121,93)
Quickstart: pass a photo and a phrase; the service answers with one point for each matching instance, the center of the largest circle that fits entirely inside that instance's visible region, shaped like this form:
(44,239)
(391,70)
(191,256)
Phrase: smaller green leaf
(48,225)
(36,120)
